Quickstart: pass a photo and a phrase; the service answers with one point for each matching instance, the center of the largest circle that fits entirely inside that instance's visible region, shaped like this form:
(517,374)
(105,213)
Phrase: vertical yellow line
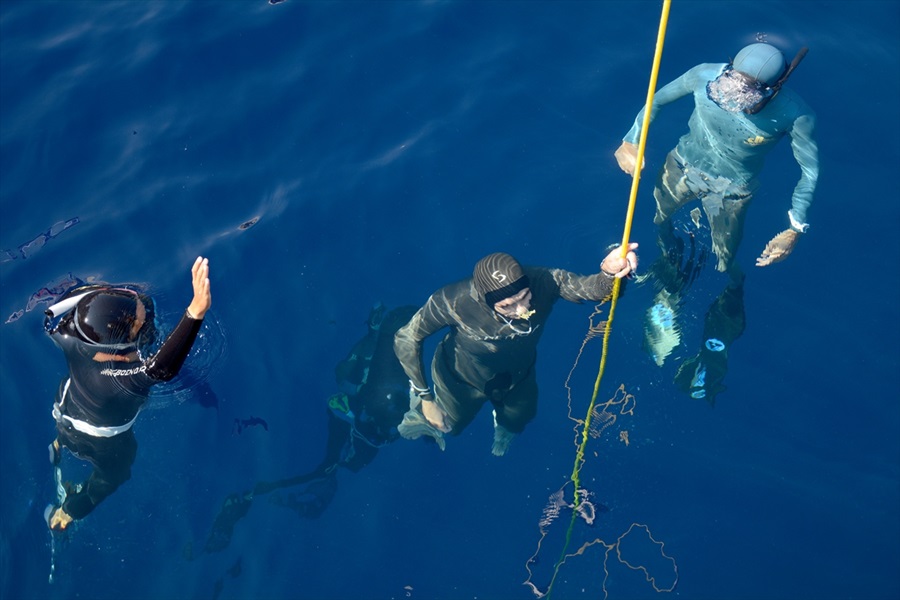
(645,126)
(617,284)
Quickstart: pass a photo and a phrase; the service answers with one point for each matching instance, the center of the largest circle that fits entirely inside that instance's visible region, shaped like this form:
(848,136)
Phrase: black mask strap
(776,87)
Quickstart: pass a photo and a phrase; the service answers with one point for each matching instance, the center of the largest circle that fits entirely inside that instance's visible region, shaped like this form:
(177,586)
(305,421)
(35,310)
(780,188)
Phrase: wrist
(603,268)
(195,314)
(796,225)
(423,393)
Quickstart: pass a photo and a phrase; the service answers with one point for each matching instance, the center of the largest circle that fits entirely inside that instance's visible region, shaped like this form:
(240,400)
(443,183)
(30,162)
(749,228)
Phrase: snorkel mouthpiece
(524,313)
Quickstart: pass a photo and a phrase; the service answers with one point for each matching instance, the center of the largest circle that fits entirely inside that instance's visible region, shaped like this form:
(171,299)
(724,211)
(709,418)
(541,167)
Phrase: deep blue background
(386,146)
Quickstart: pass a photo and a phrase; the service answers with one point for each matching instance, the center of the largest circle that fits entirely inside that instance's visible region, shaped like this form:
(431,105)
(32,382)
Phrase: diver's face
(140,319)
(517,306)
(736,92)
(745,80)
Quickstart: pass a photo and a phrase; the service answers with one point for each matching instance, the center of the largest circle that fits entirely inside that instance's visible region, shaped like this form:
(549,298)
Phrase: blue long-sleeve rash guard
(734,145)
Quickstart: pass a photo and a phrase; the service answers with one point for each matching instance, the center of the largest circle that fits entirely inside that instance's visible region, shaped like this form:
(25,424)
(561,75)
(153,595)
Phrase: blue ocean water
(384,148)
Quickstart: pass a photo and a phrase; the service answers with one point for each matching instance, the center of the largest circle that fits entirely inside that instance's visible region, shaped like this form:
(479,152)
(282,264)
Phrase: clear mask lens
(734,93)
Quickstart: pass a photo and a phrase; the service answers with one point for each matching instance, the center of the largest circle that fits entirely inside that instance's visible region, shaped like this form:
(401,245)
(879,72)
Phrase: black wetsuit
(377,395)
(381,399)
(484,357)
(109,394)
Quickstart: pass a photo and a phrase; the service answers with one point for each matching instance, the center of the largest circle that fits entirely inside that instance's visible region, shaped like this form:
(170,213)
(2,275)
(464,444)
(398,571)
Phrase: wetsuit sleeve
(167,362)
(672,91)
(577,288)
(806,152)
(408,340)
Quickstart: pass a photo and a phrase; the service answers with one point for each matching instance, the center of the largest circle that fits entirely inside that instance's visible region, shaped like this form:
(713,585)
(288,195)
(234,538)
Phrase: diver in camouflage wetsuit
(496,319)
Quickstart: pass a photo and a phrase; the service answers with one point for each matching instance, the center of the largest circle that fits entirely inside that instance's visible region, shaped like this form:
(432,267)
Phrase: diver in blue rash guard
(101,330)
(741,111)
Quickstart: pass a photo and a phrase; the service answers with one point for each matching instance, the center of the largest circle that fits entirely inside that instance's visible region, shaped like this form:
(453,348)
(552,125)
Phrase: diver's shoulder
(792,104)
(706,70)
(538,274)
(452,294)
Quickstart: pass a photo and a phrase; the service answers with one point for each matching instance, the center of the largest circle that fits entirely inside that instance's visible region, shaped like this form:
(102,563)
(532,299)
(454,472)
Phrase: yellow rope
(617,284)
(645,126)
(629,217)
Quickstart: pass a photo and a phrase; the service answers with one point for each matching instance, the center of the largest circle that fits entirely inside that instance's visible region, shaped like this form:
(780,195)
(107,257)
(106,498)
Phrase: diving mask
(735,92)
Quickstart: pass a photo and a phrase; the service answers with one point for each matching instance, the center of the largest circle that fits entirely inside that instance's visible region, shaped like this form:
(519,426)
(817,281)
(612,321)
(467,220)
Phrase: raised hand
(202,296)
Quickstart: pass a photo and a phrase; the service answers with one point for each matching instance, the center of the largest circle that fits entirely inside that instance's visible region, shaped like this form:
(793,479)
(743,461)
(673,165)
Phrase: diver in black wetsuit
(362,418)
(102,329)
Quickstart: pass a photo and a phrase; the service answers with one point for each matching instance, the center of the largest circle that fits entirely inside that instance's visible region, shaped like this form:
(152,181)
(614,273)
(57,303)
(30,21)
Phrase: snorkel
(66,304)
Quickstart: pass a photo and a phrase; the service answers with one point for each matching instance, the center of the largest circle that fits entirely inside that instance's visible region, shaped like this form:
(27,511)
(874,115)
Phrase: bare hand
(59,520)
(434,415)
(202,296)
(779,248)
(626,156)
(617,265)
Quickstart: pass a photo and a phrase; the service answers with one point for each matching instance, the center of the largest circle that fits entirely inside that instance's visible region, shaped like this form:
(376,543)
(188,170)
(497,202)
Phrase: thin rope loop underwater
(617,284)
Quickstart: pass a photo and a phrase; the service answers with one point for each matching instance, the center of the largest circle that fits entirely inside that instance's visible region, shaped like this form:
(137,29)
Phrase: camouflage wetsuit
(484,356)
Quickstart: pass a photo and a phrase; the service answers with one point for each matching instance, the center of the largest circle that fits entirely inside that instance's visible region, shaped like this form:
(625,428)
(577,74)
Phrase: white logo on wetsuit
(123,372)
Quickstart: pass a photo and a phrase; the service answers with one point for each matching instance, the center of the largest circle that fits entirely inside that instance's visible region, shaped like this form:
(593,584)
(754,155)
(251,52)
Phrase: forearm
(670,92)
(409,353)
(167,362)
(806,152)
(408,341)
(577,288)
(802,199)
